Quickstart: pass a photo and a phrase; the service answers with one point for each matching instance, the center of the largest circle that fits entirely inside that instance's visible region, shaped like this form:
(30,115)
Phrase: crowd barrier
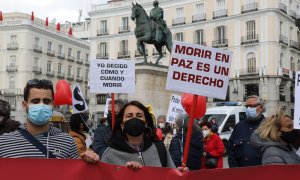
(73,169)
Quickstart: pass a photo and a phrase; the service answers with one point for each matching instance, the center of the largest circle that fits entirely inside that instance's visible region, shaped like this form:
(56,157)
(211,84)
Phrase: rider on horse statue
(157,22)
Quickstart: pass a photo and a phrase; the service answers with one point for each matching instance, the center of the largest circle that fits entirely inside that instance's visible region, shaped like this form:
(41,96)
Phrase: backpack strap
(36,143)
(162,152)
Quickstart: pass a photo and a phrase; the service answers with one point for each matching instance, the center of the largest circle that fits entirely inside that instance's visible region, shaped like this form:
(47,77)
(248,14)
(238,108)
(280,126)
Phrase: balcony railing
(102,56)
(199,17)
(60,75)
(282,7)
(50,73)
(37,70)
(249,71)
(124,29)
(102,32)
(249,7)
(9,92)
(221,43)
(79,61)
(283,39)
(178,21)
(11,68)
(50,52)
(200,43)
(138,54)
(12,46)
(292,14)
(70,58)
(250,39)
(61,56)
(294,44)
(79,78)
(124,54)
(220,14)
(154,52)
(37,48)
(70,77)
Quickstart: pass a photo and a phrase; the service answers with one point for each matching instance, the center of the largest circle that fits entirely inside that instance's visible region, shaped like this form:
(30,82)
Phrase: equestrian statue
(151,30)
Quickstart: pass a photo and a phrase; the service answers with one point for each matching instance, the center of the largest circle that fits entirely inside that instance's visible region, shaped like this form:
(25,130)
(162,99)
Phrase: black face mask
(134,127)
(290,137)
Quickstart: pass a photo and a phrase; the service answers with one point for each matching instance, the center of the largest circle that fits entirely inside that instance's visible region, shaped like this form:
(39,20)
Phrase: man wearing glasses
(240,151)
(37,138)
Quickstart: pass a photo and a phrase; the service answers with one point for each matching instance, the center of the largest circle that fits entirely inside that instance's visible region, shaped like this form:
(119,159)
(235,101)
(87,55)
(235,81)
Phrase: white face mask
(174,131)
(161,125)
(206,132)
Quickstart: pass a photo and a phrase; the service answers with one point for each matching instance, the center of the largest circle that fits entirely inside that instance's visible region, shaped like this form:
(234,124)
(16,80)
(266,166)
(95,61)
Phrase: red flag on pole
(47,23)
(70,32)
(1,17)
(58,27)
(32,16)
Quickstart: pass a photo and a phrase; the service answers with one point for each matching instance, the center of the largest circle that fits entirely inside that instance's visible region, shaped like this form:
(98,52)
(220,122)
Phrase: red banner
(59,169)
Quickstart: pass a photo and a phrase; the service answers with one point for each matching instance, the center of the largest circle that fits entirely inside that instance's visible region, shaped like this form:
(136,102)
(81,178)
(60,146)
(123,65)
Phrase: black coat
(195,151)
(101,139)
(240,152)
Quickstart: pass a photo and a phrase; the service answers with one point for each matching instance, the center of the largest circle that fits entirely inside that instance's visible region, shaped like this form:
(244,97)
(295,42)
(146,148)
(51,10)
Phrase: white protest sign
(112,76)
(108,101)
(297,101)
(175,108)
(199,70)
(78,102)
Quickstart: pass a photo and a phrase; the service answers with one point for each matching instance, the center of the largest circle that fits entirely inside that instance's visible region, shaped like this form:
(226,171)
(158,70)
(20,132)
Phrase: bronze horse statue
(144,33)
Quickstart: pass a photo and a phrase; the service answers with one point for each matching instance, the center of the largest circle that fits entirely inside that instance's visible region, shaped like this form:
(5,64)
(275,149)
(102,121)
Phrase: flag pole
(112,110)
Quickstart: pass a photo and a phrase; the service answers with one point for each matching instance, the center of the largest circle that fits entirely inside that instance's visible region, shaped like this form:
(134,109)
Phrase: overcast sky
(62,10)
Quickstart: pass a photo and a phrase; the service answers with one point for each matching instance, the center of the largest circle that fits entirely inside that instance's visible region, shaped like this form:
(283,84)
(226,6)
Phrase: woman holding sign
(133,142)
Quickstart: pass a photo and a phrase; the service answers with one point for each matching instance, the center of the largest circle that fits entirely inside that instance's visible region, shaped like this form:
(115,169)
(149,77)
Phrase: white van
(227,115)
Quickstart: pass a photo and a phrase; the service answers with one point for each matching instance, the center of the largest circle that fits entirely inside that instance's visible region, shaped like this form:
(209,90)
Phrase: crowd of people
(134,141)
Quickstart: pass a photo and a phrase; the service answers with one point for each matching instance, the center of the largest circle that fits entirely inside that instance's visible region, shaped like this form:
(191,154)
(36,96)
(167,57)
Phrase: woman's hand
(183,169)
(133,165)
(90,157)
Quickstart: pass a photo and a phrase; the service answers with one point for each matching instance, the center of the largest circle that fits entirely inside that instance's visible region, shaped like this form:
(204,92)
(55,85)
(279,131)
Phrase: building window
(124,23)
(11,82)
(49,64)
(13,38)
(78,72)
(124,46)
(59,68)
(12,60)
(101,98)
(69,70)
(200,8)
(179,13)
(78,54)
(251,89)
(60,49)
(292,64)
(250,29)
(103,26)
(36,41)
(281,60)
(251,63)
(69,51)
(179,36)
(220,33)
(87,57)
(221,4)
(298,65)
(103,49)
(35,62)
(49,46)
(199,36)
(282,92)
(87,74)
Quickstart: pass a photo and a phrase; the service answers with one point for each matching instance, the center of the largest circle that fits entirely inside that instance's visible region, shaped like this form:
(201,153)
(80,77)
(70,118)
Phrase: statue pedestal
(150,87)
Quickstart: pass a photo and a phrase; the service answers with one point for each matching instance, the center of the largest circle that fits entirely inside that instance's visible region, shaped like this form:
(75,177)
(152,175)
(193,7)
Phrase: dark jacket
(101,139)
(195,151)
(274,152)
(240,152)
(9,125)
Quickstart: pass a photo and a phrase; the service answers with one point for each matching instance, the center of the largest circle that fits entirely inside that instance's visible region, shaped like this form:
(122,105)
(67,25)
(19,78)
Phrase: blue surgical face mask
(39,114)
(251,113)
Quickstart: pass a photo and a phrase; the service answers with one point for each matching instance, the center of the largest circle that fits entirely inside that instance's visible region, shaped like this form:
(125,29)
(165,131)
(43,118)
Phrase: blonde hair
(269,128)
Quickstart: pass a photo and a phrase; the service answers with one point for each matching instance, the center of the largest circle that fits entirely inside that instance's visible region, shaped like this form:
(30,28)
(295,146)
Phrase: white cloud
(62,10)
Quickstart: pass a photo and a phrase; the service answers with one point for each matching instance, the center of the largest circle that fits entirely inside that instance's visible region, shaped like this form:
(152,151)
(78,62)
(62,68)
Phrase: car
(227,115)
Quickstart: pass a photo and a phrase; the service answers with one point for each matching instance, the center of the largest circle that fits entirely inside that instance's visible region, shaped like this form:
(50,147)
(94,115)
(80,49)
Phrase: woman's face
(133,112)
(286,124)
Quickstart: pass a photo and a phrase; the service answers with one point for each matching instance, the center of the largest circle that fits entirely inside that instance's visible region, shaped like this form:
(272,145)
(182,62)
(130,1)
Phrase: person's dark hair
(206,123)
(150,131)
(38,84)
(76,120)
(4,108)
(182,122)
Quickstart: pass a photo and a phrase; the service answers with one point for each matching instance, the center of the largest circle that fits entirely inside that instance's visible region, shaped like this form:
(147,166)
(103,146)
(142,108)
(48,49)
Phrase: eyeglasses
(252,106)
(33,82)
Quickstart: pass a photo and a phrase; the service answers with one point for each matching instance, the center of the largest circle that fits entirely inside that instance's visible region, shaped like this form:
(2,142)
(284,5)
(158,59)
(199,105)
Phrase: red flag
(58,27)
(47,21)
(70,32)
(32,16)
(1,17)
